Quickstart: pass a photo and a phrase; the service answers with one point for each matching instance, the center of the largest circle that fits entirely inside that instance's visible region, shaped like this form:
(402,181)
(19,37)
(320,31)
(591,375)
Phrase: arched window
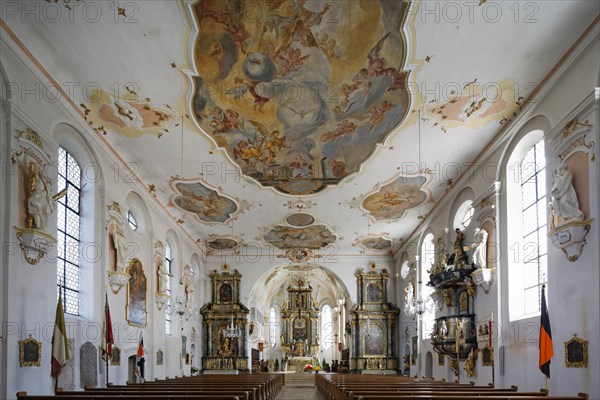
(464,214)
(427,258)
(169,266)
(272,331)
(132,221)
(326,327)
(527,221)
(68,232)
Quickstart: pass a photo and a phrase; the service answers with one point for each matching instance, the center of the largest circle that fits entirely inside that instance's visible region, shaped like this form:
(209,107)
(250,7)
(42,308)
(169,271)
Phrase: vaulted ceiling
(297,123)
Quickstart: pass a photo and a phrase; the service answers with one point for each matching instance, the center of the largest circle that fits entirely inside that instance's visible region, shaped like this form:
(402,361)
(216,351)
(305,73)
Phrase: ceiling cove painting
(288,92)
(389,202)
(227,243)
(375,242)
(125,113)
(208,205)
(286,237)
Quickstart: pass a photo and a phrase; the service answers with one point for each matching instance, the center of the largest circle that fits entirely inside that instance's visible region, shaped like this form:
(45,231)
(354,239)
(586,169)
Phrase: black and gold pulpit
(224,324)
(374,324)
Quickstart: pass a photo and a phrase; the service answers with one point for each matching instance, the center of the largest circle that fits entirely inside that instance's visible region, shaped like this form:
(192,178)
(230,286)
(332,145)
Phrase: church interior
(300,199)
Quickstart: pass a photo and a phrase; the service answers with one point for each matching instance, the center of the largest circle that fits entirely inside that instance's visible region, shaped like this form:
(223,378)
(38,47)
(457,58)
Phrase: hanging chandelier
(415,306)
(232,331)
(181,308)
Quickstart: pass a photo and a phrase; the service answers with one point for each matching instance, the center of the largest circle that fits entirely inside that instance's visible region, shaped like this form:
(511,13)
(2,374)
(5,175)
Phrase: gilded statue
(40,204)
(470,365)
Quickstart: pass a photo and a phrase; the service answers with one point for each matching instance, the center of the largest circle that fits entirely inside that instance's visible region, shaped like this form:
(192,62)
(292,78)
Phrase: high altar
(300,323)
(224,314)
(374,324)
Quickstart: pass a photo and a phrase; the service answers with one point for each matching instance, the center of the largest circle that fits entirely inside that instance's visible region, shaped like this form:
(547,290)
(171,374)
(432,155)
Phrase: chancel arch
(299,294)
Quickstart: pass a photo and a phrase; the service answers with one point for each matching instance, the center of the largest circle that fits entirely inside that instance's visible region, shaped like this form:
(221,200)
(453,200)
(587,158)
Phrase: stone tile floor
(299,393)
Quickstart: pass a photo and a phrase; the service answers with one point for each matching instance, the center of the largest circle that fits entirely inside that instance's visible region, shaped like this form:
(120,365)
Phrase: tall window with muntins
(168,265)
(68,232)
(427,258)
(272,330)
(326,327)
(534,220)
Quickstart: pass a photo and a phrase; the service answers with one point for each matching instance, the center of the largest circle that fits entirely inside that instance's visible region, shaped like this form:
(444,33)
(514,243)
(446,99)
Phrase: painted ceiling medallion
(209,205)
(312,237)
(375,242)
(300,219)
(222,244)
(126,114)
(287,94)
(389,202)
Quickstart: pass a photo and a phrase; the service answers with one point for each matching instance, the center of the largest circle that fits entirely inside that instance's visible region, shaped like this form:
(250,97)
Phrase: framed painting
(576,353)
(373,293)
(137,289)
(159,357)
(441,360)
(374,343)
(487,356)
(116,356)
(30,352)
(225,293)
(414,350)
(463,302)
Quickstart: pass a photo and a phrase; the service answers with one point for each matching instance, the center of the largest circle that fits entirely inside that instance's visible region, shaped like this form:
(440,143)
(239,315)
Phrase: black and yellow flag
(546,350)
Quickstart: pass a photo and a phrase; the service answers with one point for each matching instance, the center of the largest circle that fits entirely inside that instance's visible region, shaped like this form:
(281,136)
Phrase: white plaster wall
(28,292)
(573,287)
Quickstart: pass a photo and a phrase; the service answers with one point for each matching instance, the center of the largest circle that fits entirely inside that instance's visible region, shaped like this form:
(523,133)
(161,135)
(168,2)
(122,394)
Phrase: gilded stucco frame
(570,360)
(129,321)
(37,350)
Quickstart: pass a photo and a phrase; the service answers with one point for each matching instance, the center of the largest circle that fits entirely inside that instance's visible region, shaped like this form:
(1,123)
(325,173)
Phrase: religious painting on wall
(115,360)
(373,293)
(159,357)
(30,352)
(373,342)
(225,293)
(136,294)
(463,302)
(300,329)
(576,353)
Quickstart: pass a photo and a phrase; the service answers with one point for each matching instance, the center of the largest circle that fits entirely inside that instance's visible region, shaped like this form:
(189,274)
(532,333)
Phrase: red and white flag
(107,333)
(140,360)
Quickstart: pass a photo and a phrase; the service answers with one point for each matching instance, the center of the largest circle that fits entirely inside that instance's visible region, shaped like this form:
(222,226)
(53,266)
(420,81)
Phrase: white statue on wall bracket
(568,227)
(480,248)
(34,240)
(565,206)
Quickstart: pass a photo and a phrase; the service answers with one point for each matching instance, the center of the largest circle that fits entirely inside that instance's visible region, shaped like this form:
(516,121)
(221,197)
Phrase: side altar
(224,325)
(374,324)
(300,323)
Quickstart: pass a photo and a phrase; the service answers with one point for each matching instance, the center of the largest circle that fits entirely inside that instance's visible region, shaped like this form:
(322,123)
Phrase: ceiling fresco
(389,202)
(375,242)
(297,123)
(205,203)
(300,219)
(300,95)
(286,237)
(224,243)
(125,114)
